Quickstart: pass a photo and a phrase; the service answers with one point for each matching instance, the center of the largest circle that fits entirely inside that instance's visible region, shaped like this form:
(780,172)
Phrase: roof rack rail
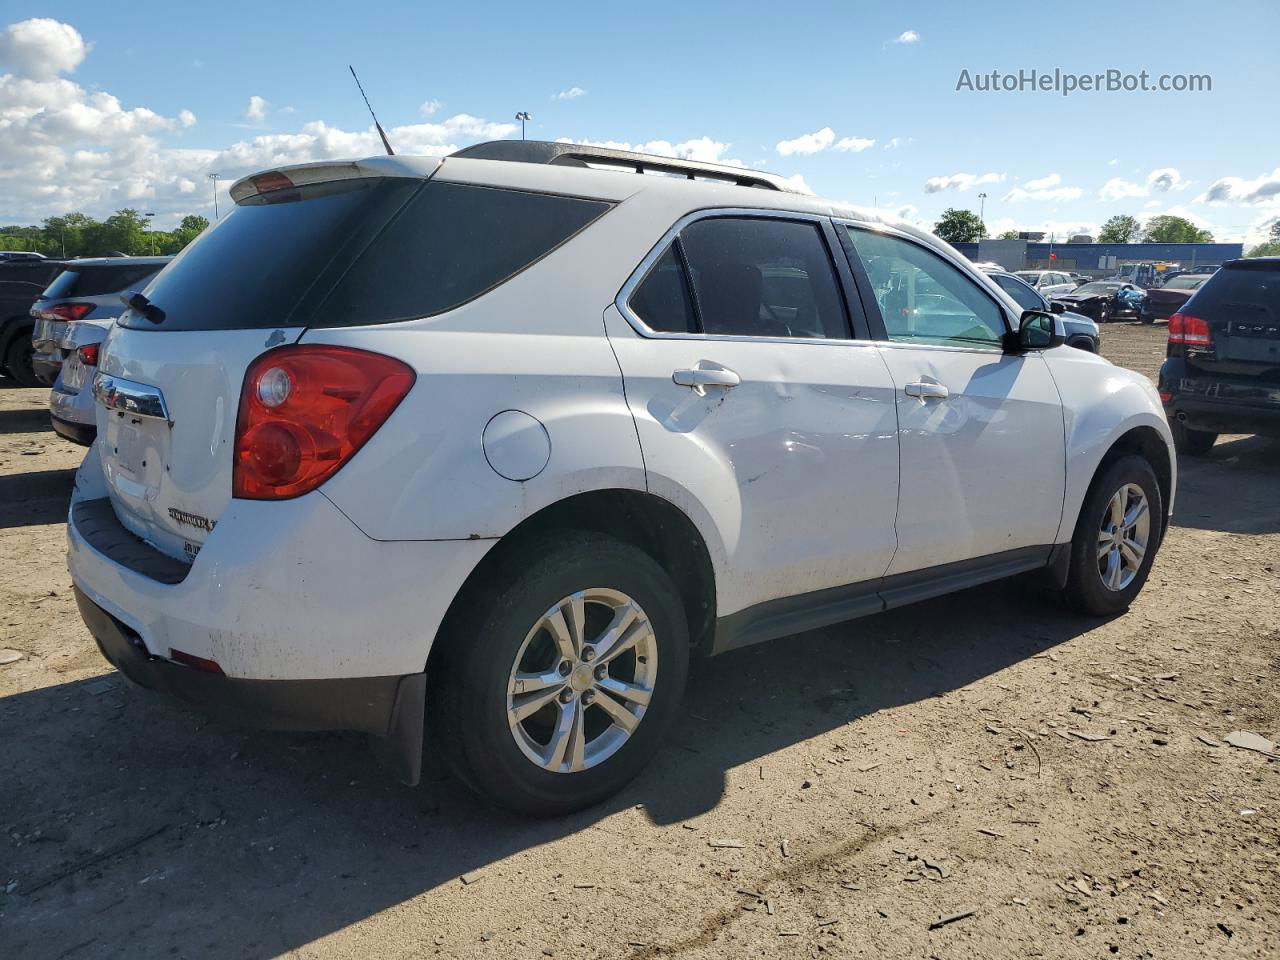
(585,155)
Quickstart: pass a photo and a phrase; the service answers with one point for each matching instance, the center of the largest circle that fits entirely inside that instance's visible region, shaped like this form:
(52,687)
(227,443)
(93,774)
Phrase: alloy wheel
(1123,537)
(582,680)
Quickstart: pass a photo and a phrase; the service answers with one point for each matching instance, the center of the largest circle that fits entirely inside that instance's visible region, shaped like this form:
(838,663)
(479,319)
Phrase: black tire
(468,682)
(17,361)
(1146,317)
(1192,443)
(1104,313)
(1085,589)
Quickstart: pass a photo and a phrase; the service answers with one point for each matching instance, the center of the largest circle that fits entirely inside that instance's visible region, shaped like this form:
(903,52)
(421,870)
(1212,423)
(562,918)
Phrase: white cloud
(571,94)
(429,107)
(961,181)
(1264,189)
(908,36)
(1151,205)
(1045,188)
(854,144)
(1166,179)
(41,48)
(64,148)
(797,182)
(893,143)
(256,112)
(1119,189)
(1113,161)
(808,143)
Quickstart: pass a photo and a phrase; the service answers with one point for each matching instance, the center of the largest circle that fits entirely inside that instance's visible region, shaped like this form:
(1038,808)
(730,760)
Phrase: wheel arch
(644,520)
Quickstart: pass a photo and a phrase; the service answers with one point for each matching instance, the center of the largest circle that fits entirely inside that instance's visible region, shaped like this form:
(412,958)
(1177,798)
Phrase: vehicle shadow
(38,497)
(24,421)
(1248,467)
(156,826)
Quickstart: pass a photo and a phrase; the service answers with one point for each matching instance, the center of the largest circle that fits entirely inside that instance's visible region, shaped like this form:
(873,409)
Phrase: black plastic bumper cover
(81,433)
(391,709)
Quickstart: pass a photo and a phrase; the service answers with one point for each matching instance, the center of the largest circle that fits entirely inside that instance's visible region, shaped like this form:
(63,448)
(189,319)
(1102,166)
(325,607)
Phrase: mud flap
(400,751)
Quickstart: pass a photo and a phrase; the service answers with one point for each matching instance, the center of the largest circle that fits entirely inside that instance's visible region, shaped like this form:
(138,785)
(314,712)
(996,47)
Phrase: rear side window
(452,243)
(1238,293)
(749,276)
(96,280)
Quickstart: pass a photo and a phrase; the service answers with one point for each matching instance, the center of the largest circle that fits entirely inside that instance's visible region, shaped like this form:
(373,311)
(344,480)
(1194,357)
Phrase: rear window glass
(662,299)
(258,265)
(1238,292)
(358,252)
(97,280)
(452,243)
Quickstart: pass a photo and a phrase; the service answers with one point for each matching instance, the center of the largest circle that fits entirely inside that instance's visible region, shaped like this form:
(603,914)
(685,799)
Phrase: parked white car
(1048,283)
(71,403)
(501,439)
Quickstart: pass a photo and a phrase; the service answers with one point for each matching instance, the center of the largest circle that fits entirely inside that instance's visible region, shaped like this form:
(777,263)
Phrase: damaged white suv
(496,442)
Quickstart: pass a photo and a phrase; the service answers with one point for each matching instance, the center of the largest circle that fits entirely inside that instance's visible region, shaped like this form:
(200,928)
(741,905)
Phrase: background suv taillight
(69,311)
(1189,331)
(305,410)
(88,354)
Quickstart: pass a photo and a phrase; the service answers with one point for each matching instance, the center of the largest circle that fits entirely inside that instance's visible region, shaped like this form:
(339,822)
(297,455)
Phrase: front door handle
(701,377)
(926,391)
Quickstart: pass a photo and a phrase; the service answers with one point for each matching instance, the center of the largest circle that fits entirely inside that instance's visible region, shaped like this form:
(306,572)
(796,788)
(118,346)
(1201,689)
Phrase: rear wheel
(1193,443)
(1104,313)
(17,360)
(1116,538)
(555,688)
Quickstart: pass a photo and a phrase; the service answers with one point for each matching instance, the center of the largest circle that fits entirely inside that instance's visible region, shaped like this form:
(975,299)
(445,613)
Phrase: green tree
(1009,235)
(959,226)
(1268,249)
(1275,230)
(1171,229)
(1121,228)
(192,226)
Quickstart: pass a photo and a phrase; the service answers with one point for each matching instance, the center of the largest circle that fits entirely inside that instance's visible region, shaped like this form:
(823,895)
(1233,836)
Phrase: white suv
(500,440)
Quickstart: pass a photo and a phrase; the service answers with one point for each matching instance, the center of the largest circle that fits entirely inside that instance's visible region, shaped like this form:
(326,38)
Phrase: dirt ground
(836,793)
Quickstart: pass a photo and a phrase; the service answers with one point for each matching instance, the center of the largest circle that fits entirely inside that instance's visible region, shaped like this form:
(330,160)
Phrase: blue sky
(857,99)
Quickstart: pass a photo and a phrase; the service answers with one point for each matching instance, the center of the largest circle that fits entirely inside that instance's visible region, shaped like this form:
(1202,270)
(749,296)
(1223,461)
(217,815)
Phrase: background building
(1094,258)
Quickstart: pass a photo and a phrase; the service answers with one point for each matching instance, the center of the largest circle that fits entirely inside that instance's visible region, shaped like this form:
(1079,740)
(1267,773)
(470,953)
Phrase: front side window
(923,298)
(745,276)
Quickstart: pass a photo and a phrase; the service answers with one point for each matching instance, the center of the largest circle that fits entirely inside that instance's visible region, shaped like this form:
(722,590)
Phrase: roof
(116,261)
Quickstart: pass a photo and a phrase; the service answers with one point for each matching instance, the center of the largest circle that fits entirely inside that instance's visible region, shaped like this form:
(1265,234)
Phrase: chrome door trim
(126,396)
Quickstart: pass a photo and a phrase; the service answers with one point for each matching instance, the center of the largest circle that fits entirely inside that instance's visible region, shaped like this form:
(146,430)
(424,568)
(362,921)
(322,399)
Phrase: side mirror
(1056,307)
(1037,330)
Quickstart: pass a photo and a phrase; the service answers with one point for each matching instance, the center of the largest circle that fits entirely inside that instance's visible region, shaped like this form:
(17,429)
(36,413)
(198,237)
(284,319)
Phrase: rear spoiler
(327,171)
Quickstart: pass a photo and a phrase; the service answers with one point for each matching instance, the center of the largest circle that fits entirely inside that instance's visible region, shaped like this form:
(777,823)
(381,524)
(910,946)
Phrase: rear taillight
(1189,330)
(68,311)
(88,354)
(305,410)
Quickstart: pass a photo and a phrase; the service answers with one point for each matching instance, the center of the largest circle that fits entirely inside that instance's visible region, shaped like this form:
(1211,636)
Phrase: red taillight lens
(1194,332)
(69,311)
(305,410)
(88,354)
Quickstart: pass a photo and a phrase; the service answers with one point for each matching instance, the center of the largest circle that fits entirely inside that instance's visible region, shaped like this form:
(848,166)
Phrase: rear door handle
(926,391)
(701,377)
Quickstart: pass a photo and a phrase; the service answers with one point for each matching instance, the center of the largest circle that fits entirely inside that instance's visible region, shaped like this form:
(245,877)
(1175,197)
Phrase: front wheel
(1116,538)
(557,685)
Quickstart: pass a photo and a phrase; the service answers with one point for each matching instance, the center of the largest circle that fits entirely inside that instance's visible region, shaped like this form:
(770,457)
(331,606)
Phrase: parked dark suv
(22,280)
(1222,374)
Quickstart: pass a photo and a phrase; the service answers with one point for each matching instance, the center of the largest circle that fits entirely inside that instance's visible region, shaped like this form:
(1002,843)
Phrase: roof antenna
(382,133)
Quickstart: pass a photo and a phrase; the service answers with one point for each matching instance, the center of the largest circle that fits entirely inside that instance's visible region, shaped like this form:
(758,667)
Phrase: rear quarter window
(100,279)
(452,243)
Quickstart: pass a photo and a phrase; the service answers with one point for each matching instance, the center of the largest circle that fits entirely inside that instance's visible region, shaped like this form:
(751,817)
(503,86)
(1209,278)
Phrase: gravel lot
(834,793)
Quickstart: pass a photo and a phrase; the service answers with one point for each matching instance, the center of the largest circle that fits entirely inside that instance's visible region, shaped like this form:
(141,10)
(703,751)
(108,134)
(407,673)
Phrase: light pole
(215,177)
(522,116)
(982,211)
(149,217)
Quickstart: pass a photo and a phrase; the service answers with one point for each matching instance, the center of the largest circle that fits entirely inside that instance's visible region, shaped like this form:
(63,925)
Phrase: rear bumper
(285,590)
(46,367)
(389,708)
(81,433)
(1219,405)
